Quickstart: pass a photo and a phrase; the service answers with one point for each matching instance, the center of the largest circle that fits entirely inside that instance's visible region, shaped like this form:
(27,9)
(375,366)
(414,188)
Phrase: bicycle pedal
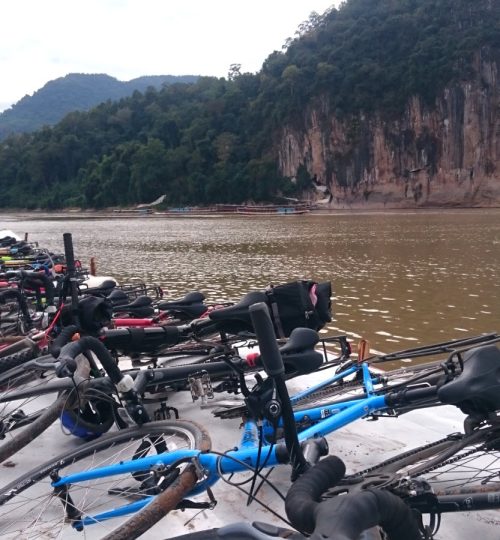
(187,503)
(201,387)
(165,413)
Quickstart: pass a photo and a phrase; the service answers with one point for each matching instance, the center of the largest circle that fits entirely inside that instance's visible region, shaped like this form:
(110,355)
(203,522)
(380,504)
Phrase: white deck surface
(360,444)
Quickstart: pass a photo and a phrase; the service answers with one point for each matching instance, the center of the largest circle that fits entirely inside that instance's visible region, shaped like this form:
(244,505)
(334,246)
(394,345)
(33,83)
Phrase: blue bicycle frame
(325,419)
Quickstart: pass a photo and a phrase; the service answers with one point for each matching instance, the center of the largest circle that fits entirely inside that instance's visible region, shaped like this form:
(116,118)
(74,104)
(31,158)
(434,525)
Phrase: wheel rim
(36,512)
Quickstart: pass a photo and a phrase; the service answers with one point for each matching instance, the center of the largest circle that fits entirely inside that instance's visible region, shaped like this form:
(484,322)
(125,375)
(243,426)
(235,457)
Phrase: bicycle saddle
(191,305)
(118,297)
(237,318)
(7,241)
(189,299)
(477,388)
(299,340)
(140,302)
(140,307)
(104,288)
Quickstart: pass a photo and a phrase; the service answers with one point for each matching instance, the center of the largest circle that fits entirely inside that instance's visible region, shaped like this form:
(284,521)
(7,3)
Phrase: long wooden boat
(272,209)
(246,209)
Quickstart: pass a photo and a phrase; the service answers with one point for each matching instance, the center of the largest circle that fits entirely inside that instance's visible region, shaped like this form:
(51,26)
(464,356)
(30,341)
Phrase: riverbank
(72,214)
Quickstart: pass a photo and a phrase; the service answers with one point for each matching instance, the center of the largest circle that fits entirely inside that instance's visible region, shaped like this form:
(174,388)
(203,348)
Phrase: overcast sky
(41,40)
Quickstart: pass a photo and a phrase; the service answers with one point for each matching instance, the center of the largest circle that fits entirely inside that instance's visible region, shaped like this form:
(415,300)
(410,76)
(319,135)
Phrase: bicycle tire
(17,359)
(168,500)
(470,463)
(33,414)
(46,511)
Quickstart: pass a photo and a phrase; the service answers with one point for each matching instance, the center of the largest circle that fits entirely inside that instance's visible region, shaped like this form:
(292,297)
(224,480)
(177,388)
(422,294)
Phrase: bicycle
(97,410)
(28,384)
(93,420)
(151,474)
(395,495)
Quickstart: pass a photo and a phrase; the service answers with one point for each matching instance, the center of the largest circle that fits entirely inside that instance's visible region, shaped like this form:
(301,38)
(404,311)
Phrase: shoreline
(107,214)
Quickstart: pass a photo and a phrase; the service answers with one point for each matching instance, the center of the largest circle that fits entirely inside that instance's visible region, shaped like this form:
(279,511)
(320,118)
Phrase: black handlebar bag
(302,303)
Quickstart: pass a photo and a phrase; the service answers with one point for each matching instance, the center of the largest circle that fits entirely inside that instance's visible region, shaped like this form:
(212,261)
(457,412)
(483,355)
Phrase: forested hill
(74,92)
(374,93)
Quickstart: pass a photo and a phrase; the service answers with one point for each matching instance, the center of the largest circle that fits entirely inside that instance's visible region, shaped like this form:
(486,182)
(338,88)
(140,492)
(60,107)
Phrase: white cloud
(43,40)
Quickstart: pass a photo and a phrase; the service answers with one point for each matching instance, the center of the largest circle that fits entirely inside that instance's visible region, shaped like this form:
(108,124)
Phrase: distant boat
(273,209)
(246,209)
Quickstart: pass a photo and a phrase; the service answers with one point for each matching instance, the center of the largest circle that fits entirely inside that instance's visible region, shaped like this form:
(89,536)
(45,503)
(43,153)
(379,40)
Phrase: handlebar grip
(67,368)
(70,351)
(62,339)
(411,395)
(266,337)
(346,517)
(143,339)
(302,497)
(68,252)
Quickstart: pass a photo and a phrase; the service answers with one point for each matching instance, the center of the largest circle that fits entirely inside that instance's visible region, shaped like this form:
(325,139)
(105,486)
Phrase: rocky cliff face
(445,156)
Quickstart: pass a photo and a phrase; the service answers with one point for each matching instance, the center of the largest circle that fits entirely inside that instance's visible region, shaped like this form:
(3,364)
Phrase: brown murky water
(399,278)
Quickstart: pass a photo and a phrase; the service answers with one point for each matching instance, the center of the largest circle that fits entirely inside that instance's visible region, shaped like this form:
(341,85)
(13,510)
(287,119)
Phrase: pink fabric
(312,295)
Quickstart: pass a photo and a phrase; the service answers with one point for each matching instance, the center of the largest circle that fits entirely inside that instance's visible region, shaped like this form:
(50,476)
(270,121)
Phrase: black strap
(275,312)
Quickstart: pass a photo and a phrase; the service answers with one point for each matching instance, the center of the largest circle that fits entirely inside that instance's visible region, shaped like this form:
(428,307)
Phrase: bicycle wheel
(18,412)
(30,508)
(470,464)
(463,464)
(18,358)
(26,410)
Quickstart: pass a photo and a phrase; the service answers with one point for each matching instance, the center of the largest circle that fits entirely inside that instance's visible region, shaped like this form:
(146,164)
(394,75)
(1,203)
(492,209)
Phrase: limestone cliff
(447,155)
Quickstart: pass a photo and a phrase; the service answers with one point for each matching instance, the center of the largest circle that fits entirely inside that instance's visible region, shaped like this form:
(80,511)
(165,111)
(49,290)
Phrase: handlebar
(69,253)
(345,517)
(62,339)
(124,382)
(302,497)
(68,354)
(266,337)
(341,518)
(273,363)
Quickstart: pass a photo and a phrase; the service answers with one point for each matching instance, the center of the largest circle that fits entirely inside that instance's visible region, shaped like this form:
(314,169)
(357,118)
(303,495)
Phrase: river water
(399,278)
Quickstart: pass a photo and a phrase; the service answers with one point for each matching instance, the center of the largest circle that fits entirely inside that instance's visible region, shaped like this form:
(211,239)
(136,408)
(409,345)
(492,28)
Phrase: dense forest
(74,92)
(214,141)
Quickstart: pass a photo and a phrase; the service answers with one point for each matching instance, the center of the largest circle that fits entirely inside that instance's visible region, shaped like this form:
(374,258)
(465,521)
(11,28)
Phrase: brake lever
(66,368)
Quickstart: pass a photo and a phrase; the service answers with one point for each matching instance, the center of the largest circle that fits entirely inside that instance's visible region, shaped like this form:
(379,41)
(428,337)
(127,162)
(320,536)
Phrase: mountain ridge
(75,92)
(385,104)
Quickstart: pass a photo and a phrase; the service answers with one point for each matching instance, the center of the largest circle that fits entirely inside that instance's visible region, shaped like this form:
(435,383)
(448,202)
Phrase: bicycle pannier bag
(299,304)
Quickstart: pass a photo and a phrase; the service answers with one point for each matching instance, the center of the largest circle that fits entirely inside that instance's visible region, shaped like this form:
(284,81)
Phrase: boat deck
(360,445)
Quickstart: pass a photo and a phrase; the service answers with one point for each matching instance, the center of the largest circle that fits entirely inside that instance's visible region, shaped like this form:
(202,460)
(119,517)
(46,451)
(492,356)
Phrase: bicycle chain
(395,459)
(449,461)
